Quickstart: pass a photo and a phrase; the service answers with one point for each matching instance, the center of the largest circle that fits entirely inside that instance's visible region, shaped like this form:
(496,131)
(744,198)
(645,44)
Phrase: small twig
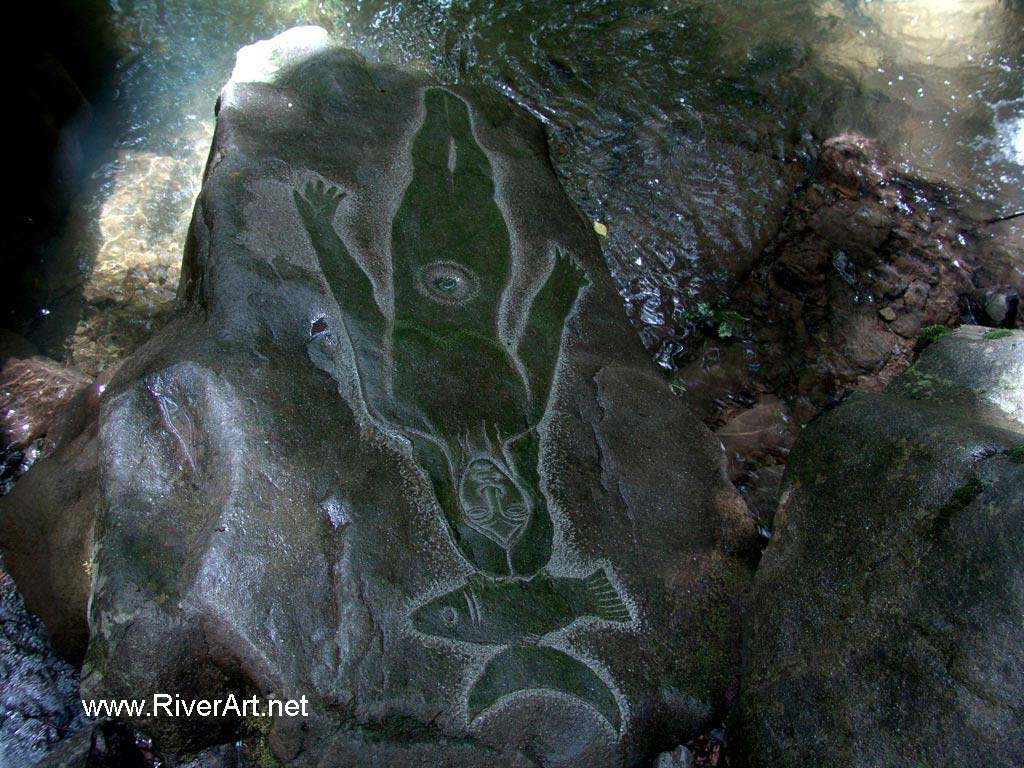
(997,219)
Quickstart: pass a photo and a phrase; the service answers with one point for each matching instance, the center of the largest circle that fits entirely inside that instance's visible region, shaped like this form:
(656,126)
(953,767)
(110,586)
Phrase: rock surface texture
(887,612)
(39,692)
(399,452)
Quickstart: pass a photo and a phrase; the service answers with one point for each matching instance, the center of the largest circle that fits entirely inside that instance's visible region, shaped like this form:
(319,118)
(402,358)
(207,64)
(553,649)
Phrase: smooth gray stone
(887,618)
(401,452)
(680,757)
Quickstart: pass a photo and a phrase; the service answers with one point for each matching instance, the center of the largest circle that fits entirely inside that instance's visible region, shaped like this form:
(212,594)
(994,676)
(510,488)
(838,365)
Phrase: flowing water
(683,127)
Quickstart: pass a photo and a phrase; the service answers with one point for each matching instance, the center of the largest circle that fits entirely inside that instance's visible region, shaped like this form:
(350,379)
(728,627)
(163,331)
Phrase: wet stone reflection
(690,157)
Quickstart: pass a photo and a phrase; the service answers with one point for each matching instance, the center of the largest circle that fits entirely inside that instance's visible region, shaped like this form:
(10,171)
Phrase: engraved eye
(478,514)
(446,283)
(517,512)
(449,615)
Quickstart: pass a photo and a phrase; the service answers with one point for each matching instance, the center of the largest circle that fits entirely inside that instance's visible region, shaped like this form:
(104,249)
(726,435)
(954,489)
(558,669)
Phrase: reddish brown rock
(32,392)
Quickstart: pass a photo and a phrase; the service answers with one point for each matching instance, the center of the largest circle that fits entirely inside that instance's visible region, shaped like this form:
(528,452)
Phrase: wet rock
(39,703)
(399,451)
(855,163)
(694,176)
(852,225)
(765,430)
(886,618)
(680,757)
(52,509)
(32,391)
(866,259)
(757,442)
(760,488)
(995,307)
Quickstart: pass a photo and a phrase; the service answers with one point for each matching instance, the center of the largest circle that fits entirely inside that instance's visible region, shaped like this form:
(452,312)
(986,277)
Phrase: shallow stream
(683,127)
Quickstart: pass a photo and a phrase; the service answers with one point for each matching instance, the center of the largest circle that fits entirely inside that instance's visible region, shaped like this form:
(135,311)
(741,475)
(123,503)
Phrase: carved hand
(567,274)
(320,200)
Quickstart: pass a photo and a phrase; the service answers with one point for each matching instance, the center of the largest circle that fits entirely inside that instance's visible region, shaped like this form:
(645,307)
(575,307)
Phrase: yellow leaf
(601,229)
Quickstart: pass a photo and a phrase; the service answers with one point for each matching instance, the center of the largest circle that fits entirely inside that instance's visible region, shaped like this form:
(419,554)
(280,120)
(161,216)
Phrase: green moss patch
(997,333)
(959,500)
(255,732)
(929,335)
(721,322)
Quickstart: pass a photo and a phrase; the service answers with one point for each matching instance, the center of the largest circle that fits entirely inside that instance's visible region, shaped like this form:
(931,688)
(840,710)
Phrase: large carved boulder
(887,624)
(399,452)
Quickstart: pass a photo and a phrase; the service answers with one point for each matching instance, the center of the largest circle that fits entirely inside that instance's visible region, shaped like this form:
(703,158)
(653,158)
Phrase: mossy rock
(931,334)
(886,614)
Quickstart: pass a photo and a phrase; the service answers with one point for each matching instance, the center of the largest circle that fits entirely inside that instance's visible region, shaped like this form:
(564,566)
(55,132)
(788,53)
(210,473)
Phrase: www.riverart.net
(167,705)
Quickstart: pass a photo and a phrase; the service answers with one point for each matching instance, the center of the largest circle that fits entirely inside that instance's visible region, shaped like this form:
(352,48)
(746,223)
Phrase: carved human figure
(440,369)
(469,396)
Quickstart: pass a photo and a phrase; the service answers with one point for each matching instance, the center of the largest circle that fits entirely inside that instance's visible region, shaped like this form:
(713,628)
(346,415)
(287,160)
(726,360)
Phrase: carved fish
(518,611)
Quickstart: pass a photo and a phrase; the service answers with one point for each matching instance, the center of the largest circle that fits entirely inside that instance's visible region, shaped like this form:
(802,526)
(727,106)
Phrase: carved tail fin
(541,669)
(603,599)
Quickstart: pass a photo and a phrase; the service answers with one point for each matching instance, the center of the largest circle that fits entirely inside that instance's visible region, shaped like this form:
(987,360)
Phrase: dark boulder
(399,452)
(886,623)
(34,393)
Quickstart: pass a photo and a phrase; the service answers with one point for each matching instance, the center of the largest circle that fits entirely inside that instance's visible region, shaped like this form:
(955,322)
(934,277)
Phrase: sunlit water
(682,126)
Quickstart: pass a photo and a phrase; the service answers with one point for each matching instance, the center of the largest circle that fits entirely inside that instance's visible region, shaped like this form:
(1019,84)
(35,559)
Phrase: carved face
(492,504)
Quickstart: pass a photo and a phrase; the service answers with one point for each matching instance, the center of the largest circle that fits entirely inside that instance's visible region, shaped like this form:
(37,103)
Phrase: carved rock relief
(437,370)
